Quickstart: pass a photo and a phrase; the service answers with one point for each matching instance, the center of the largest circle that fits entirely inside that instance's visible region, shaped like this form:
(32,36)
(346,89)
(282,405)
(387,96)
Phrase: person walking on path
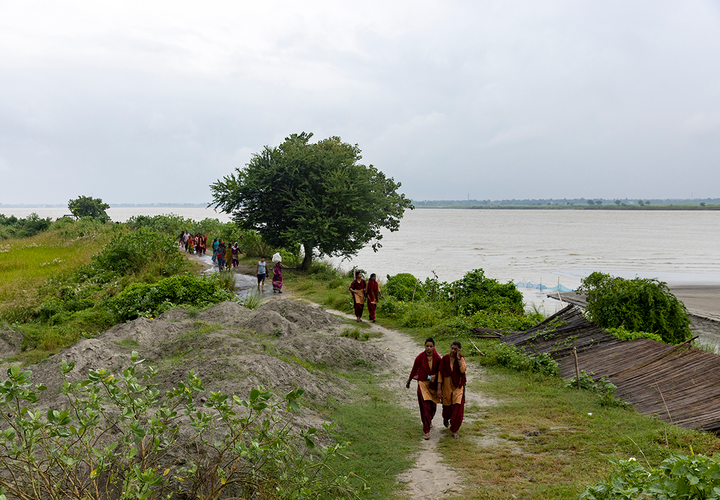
(221,255)
(277,279)
(451,388)
(228,256)
(425,371)
(373,295)
(358,289)
(215,246)
(261,272)
(236,255)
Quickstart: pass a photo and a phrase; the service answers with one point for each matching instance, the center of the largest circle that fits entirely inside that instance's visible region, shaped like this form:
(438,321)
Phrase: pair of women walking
(361,292)
(440,381)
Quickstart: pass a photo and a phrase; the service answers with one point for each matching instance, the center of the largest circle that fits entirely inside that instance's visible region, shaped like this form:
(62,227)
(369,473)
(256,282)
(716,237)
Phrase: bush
(640,305)
(401,286)
(508,356)
(623,334)
(120,437)
(131,253)
(475,292)
(143,299)
(12,227)
(679,476)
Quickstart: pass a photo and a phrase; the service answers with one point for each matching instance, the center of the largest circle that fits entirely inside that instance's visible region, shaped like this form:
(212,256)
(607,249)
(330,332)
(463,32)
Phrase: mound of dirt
(282,345)
(10,341)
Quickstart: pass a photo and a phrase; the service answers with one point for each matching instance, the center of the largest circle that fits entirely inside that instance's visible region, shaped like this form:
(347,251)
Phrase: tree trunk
(307,261)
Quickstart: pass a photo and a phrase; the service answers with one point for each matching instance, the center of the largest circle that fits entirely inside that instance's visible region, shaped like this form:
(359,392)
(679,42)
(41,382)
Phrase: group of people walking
(261,271)
(362,292)
(225,256)
(440,381)
(193,243)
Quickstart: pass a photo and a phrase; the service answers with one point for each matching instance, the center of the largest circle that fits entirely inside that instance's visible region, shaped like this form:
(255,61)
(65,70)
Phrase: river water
(538,246)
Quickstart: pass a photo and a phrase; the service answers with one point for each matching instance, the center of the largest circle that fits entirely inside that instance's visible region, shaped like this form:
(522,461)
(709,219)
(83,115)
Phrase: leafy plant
(403,286)
(623,334)
(640,305)
(143,299)
(120,437)
(501,354)
(86,206)
(678,476)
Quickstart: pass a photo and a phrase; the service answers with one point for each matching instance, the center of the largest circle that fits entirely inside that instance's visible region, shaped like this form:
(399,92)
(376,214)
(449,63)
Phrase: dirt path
(430,478)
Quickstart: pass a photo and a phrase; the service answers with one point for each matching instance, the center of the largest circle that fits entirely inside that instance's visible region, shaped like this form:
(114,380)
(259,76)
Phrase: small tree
(317,195)
(640,305)
(85,206)
(591,202)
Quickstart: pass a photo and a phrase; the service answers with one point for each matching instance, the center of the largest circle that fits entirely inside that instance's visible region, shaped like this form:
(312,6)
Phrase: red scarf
(457,377)
(421,367)
(372,290)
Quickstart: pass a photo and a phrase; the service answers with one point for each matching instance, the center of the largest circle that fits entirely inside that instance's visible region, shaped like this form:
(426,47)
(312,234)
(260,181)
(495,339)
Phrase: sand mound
(302,315)
(10,341)
(179,314)
(340,353)
(225,313)
(143,331)
(270,323)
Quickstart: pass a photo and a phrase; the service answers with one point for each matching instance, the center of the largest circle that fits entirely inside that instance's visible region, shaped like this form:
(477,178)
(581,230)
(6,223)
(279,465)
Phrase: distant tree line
(560,202)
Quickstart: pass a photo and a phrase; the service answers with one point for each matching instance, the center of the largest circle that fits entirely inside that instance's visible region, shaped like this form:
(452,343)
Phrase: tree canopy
(318,195)
(85,206)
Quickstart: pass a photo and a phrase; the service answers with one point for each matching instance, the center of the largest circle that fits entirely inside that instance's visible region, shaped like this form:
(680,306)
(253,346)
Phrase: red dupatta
(421,368)
(458,378)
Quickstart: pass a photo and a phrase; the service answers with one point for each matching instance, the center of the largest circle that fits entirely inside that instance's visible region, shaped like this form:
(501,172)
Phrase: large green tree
(85,206)
(315,194)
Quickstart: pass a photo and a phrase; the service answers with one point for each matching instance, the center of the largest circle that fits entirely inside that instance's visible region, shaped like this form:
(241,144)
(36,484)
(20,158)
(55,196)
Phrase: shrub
(143,299)
(640,305)
(475,292)
(623,334)
(508,356)
(401,286)
(133,252)
(678,476)
(118,436)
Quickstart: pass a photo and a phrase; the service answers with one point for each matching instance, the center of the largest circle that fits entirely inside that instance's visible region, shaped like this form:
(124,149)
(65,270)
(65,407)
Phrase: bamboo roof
(678,384)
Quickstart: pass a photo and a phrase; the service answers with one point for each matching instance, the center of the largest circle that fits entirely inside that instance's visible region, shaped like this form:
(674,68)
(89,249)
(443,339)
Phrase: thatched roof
(679,384)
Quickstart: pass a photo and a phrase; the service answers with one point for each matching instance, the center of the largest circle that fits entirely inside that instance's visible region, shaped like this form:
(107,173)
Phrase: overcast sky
(151,102)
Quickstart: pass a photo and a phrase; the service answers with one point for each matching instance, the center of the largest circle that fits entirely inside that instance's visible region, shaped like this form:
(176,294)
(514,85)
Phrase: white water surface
(539,246)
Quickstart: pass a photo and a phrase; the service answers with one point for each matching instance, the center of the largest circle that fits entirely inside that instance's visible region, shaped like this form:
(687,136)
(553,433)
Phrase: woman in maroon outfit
(451,388)
(425,371)
(358,288)
(373,295)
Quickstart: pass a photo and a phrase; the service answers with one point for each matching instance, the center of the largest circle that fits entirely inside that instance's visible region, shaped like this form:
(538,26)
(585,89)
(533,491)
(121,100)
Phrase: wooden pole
(413,297)
(577,368)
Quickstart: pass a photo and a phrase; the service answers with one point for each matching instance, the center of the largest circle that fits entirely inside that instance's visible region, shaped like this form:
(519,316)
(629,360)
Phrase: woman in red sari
(451,388)
(357,290)
(373,295)
(425,371)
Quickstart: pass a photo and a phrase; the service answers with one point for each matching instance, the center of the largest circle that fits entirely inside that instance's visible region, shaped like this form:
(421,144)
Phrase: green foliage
(475,292)
(12,227)
(401,286)
(85,206)
(623,334)
(252,300)
(117,436)
(604,388)
(678,476)
(357,334)
(315,194)
(641,305)
(144,299)
(508,356)
(135,251)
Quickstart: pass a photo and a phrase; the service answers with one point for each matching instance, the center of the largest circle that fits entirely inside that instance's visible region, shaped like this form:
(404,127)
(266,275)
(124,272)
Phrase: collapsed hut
(678,384)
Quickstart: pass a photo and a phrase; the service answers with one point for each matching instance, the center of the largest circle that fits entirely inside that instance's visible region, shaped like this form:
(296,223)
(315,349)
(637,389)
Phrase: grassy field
(26,263)
(541,440)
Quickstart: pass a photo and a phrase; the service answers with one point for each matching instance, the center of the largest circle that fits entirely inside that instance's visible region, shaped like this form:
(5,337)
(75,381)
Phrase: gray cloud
(151,103)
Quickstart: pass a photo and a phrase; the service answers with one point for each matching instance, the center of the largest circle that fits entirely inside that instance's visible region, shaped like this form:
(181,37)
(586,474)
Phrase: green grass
(384,437)
(25,263)
(545,441)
